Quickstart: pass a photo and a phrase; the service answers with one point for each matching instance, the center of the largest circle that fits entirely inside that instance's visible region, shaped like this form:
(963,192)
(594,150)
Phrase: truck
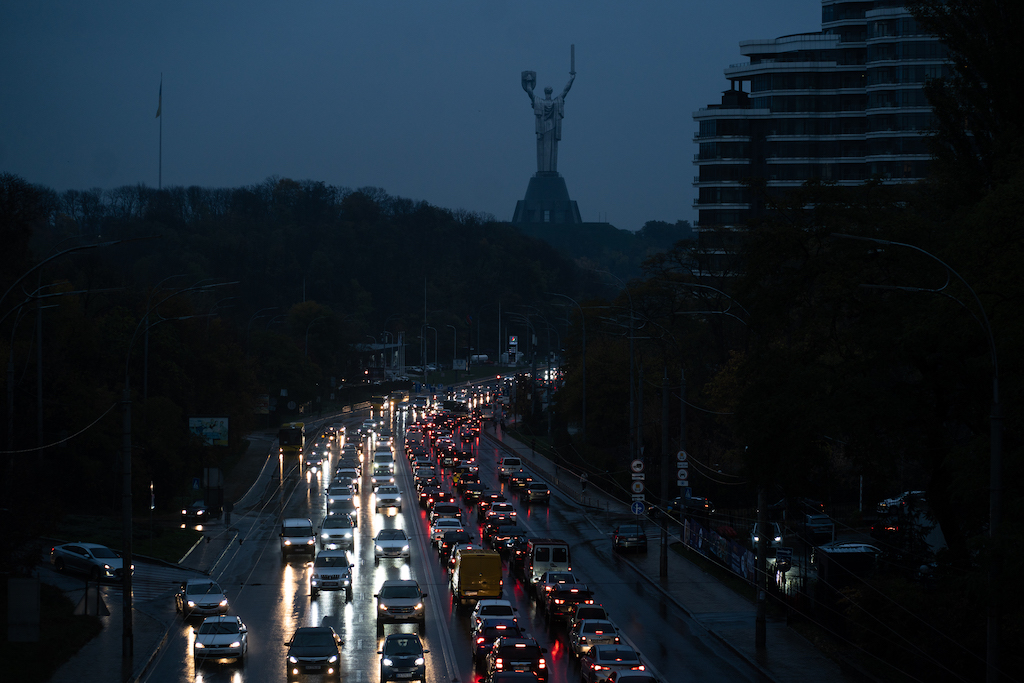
(476,576)
(291,439)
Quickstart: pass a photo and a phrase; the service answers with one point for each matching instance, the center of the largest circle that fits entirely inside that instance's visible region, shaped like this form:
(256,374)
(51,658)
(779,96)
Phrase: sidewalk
(788,656)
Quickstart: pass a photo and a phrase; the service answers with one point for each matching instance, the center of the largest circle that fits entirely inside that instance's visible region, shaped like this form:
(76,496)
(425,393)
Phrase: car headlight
(386,662)
(237,643)
(191,603)
(199,512)
(405,548)
(310,542)
(287,542)
(184,512)
(382,607)
(419,661)
(333,658)
(313,581)
(200,646)
(291,658)
(419,605)
(378,548)
(325,535)
(224,602)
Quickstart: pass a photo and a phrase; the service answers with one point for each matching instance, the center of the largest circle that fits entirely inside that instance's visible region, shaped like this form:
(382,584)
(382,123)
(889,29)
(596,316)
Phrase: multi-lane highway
(272,595)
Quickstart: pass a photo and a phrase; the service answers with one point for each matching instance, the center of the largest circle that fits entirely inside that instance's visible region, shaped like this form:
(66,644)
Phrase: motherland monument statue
(548,113)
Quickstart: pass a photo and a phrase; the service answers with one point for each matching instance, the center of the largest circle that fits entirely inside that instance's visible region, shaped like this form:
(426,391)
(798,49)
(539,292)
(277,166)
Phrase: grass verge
(166,541)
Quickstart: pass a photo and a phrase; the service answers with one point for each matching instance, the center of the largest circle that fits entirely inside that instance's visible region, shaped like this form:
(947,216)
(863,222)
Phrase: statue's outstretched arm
(572,77)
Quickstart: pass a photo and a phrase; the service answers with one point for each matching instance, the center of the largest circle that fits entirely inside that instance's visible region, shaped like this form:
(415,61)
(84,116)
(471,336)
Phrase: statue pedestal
(547,201)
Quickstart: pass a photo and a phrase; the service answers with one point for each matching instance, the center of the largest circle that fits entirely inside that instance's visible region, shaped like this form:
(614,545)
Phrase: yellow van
(477,576)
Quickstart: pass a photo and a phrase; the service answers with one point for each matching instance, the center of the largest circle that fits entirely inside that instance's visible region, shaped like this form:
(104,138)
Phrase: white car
(590,632)
(774,536)
(337,532)
(221,638)
(338,492)
(443,525)
(493,608)
(390,543)
(388,497)
(382,477)
(95,560)
(200,596)
(332,571)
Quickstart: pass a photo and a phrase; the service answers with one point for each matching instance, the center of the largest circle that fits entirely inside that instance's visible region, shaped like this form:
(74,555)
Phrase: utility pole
(760,621)
(666,472)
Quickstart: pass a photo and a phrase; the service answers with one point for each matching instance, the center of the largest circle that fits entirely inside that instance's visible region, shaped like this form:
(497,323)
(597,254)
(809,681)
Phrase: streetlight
(127,633)
(583,324)
(995,501)
(455,344)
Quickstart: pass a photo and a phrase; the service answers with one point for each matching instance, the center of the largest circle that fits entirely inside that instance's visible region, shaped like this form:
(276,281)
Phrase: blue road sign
(195,483)
(637,507)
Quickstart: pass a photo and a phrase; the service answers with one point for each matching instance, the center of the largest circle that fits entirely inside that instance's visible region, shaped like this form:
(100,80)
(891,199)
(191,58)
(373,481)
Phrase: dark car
(487,631)
(517,481)
(692,506)
(451,538)
(563,600)
(195,513)
(486,501)
(401,658)
(472,491)
(517,654)
(427,494)
(629,537)
(498,531)
(313,650)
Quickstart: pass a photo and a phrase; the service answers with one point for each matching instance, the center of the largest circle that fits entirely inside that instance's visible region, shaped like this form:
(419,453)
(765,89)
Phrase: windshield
(313,639)
(205,588)
(391,535)
(402,646)
(102,552)
(392,592)
(520,653)
(338,522)
(219,627)
(496,609)
(331,561)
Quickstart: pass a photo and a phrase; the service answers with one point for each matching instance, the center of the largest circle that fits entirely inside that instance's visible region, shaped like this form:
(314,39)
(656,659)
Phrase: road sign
(682,482)
(682,474)
(687,493)
(637,465)
(638,487)
(683,464)
(637,507)
(641,497)
(783,556)
(639,476)
(195,483)
(681,456)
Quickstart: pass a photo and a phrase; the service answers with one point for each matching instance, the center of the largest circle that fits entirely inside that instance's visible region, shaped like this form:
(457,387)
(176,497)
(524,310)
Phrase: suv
(517,654)
(297,536)
(629,537)
(331,572)
(401,657)
(313,649)
(400,601)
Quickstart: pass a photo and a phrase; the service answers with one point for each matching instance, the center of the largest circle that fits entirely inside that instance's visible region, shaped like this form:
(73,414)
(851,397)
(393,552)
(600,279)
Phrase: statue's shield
(529,80)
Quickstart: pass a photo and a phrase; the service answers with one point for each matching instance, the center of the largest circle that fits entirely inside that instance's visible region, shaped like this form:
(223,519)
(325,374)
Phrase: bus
(291,439)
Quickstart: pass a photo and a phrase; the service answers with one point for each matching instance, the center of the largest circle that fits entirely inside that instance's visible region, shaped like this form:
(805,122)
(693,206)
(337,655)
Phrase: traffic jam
(472,527)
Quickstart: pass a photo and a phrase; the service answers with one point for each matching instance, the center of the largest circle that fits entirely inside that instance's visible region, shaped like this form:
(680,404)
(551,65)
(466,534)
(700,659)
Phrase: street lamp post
(583,324)
(992,652)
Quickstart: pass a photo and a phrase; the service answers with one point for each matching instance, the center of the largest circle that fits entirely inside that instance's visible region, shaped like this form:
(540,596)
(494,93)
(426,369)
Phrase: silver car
(390,543)
(200,596)
(95,560)
(337,532)
(332,571)
(398,601)
(590,632)
(220,638)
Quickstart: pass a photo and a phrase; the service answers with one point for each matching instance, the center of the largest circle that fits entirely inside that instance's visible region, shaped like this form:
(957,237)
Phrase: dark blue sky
(420,98)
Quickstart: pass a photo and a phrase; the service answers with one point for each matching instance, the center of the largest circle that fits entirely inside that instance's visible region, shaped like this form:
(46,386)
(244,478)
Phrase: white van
(297,536)
(509,465)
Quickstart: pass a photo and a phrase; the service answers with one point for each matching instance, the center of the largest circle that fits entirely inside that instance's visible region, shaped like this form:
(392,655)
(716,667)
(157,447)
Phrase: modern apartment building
(844,104)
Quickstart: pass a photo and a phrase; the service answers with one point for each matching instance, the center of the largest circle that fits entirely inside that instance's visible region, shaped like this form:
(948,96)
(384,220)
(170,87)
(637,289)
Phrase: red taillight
(497,663)
(480,640)
(541,664)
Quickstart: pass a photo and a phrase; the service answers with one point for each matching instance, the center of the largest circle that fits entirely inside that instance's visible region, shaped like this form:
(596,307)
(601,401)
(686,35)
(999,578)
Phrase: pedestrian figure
(583,482)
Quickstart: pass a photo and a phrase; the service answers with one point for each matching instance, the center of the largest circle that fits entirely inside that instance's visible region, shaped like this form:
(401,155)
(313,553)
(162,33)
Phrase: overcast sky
(420,98)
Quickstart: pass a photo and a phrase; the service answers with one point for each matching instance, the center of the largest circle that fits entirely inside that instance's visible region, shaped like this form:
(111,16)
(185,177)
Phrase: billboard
(212,430)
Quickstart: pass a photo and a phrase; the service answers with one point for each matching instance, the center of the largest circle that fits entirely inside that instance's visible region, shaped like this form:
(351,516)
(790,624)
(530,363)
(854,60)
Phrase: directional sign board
(637,508)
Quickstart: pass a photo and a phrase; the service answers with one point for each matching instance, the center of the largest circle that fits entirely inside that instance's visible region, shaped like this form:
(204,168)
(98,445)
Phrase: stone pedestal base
(547,201)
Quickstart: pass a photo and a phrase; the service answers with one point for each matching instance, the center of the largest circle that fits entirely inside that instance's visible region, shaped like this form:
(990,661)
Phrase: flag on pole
(160,100)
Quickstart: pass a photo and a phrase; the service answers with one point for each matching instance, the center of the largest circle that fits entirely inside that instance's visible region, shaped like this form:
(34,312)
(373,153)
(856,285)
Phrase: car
(536,492)
(344,507)
(96,561)
(563,599)
(428,493)
(349,474)
(629,537)
(313,462)
(508,465)
(449,555)
(315,650)
(493,608)
(340,491)
(517,654)
(382,476)
(401,658)
(400,601)
(512,677)
(193,514)
(203,597)
(220,638)
(774,537)
(590,632)
(332,571)
(692,506)
(440,526)
(547,582)
(601,660)
(337,532)
(471,491)
(440,510)
(632,677)
(452,538)
(500,511)
(817,529)
(517,481)
(388,497)
(297,536)
(390,543)
(587,611)
(899,504)
(485,631)
(497,533)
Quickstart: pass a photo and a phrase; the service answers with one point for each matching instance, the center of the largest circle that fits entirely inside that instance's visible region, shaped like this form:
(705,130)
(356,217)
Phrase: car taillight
(541,663)
(498,663)
(480,640)
(638,668)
